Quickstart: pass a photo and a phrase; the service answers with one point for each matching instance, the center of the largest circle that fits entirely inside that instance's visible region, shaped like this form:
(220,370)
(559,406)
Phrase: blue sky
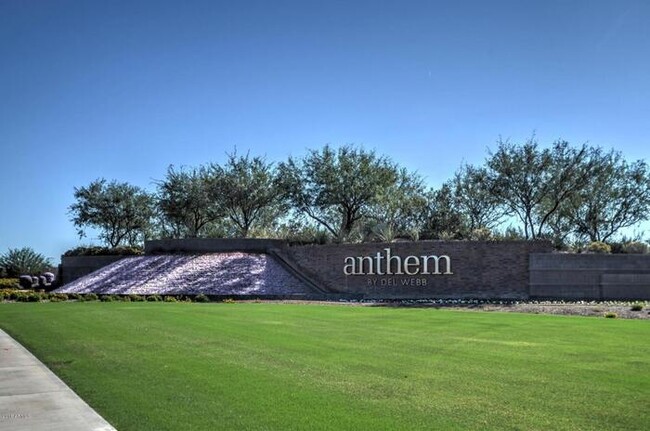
(121,90)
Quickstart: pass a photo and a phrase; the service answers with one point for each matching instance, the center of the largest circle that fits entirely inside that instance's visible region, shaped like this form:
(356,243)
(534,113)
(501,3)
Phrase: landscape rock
(209,274)
(26,281)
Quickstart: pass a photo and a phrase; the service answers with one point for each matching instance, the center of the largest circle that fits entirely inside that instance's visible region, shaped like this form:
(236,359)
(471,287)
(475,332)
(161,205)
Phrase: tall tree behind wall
(533,183)
(248,191)
(336,188)
(476,198)
(121,212)
(617,196)
(185,203)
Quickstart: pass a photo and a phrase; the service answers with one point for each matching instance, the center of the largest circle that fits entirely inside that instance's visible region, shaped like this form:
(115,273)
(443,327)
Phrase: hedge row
(104,251)
(9,283)
(26,296)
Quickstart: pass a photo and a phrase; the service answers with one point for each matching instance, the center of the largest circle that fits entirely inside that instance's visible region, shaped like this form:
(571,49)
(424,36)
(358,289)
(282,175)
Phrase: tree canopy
(247,190)
(476,198)
(337,188)
(616,196)
(561,192)
(534,182)
(400,208)
(186,202)
(121,212)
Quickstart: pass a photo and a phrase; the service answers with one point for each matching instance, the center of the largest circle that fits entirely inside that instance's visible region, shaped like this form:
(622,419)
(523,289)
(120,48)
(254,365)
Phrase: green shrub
(2,296)
(201,298)
(76,296)
(104,251)
(637,307)
(635,247)
(58,297)
(108,298)
(9,283)
(15,294)
(8,292)
(34,297)
(154,298)
(510,234)
(136,298)
(617,247)
(481,234)
(183,298)
(384,232)
(90,297)
(16,262)
(19,297)
(170,299)
(599,247)
(611,315)
(124,298)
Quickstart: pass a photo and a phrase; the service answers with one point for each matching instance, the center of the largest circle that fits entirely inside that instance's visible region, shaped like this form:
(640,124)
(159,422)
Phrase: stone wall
(480,269)
(590,276)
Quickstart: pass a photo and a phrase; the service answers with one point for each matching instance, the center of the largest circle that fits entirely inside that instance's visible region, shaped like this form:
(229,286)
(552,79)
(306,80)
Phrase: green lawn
(161,366)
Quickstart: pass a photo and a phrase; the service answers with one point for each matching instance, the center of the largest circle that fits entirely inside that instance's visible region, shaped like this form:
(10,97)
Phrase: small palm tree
(17,262)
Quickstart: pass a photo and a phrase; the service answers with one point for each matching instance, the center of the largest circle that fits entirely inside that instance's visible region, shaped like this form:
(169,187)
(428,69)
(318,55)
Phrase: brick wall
(480,269)
(590,276)
(505,270)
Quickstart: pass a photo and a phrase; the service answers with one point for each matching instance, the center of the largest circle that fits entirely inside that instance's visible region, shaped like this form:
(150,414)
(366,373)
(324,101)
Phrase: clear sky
(122,89)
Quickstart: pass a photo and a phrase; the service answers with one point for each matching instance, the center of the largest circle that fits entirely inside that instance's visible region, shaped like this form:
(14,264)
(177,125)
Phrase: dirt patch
(621,310)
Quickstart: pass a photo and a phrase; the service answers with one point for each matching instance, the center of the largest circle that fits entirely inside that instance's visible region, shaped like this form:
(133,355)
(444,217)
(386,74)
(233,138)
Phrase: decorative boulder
(49,277)
(42,281)
(25,281)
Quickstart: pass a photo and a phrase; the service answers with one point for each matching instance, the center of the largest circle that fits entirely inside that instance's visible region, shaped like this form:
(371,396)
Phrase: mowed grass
(160,366)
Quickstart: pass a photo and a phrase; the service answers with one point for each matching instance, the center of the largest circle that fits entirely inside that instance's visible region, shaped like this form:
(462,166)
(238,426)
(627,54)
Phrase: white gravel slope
(211,274)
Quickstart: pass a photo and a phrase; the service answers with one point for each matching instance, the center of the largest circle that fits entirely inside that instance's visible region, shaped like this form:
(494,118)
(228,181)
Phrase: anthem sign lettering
(387,265)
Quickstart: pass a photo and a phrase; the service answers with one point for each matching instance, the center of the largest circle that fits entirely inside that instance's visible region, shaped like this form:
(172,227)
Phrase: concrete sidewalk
(33,398)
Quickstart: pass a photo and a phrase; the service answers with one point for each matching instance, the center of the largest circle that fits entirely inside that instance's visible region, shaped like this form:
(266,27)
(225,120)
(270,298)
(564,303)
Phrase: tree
(120,211)
(336,188)
(400,208)
(533,183)
(560,229)
(444,220)
(616,196)
(248,190)
(24,261)
(476,198)
(186,202)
